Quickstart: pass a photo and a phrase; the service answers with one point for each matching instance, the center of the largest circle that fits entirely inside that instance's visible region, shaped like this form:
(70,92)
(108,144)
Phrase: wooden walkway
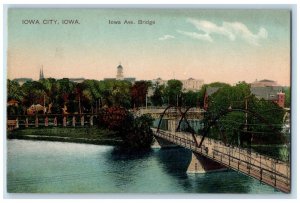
(273,172)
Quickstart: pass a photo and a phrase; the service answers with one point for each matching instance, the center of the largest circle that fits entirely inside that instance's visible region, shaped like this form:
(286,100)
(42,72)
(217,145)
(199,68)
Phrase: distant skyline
(213,45)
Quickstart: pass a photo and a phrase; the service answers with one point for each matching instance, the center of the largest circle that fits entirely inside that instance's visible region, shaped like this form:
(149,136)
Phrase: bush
(136,132)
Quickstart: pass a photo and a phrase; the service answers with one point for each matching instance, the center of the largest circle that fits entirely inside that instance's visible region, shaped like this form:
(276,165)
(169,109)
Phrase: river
(56,167)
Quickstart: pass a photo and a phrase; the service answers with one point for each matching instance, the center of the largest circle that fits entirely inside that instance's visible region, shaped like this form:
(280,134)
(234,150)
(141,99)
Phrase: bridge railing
(152,109)
(48,120)
(273,172)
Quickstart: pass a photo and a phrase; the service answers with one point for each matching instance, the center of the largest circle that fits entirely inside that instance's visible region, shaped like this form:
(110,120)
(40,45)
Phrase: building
(120,72)
(271,93)
(191,84)
(12,102)
(77,80)
(159,81)
(208,92)
(21,81)
(120,75)
(41,74)
(132,80)
(268,90)
(264,83)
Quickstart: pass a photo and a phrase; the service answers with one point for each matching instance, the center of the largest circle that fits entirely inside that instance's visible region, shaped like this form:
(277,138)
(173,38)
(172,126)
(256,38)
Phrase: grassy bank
(91,135)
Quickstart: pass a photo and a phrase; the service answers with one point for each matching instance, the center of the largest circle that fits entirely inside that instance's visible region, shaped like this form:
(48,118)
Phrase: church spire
(41,73)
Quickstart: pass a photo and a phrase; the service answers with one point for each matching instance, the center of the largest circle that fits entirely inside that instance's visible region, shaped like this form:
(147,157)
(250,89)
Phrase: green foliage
(271,128)
(136,132)
(173,92)
(216,84)
(287,101)
(191,98)
(157,97)
(138,135)
(33,93)
(263,126)
(204,88)
(14,91)
(77,97)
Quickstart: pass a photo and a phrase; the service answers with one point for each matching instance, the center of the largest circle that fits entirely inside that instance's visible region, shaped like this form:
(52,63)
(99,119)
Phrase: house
(264,83)
(270,93)
(12,102)
(192,84)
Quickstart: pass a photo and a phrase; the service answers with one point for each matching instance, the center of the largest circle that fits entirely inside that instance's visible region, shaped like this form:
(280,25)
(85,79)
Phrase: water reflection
(126,168)
(175,162)
(55,167)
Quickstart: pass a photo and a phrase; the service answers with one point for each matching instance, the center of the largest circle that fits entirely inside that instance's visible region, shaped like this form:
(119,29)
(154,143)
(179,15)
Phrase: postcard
(148,100)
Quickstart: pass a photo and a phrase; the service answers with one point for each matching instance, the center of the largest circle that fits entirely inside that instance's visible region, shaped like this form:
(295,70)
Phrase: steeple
(41,73)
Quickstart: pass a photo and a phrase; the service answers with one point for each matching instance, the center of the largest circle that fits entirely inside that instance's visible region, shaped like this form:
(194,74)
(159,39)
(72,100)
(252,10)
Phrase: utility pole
(44,104)
(79,106)
(246,127)
(246,114)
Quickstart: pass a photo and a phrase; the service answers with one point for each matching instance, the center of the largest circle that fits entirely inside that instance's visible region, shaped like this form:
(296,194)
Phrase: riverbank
(90,135)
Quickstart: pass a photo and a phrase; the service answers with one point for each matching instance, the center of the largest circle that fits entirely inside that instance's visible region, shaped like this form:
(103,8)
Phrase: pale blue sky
(214,45)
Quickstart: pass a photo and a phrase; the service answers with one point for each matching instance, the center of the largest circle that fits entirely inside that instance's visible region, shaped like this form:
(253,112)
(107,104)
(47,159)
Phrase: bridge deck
(270,171)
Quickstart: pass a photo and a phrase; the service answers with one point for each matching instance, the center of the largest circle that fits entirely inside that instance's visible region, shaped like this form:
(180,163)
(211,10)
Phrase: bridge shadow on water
(147,171)
(175,162)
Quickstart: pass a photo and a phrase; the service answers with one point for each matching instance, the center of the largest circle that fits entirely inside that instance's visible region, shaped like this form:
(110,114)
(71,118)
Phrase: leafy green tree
(269,132)
(245,128)
(33,93)
(50,88)
(136,133)
(114,93)
(173,92)
(139,136)
(157,97)
(204,88)
(65,91)
(14,91)
(191,98)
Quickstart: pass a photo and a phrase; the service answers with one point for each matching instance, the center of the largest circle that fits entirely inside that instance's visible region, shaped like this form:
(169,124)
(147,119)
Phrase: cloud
(230,30)
(195,35)
(166,37)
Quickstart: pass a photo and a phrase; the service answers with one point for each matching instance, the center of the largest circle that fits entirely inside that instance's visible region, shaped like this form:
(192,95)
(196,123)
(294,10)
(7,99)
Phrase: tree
(33,93)
(139,136)
(173,92)
(204,89)
(191,98)
(139,92)
(287,102)
(157,97)
(136,133)
(233,125)
(65,95)
(14,91)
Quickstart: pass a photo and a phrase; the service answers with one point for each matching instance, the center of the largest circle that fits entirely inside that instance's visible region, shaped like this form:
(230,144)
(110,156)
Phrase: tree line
(92,95)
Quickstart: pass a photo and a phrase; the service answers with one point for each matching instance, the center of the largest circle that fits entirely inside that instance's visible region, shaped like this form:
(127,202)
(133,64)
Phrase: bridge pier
(201,164)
